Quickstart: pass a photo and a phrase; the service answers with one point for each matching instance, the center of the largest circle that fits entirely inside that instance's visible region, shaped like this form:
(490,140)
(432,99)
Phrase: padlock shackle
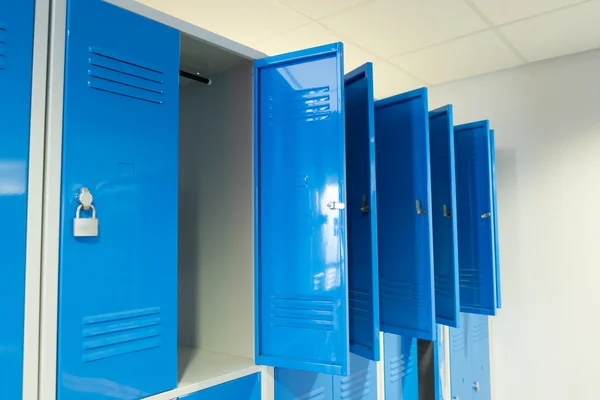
(78,212)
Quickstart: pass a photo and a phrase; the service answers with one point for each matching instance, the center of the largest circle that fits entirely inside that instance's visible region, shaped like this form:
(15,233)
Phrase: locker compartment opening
(215,217)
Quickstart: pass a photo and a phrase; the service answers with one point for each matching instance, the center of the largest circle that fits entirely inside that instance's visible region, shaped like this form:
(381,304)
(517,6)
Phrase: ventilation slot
(356,386)
(308,105)
(316,394)
(458,340)
(303,313)
(400,367)
(479,330)
(406,293)
(111,335)
(443,285)
(116,75)
(3,45)
(359,305)
(470,279)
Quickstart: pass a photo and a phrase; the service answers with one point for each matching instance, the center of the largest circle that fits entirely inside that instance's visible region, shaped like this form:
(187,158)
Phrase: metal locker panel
(495,217)
(16,57)
(480,358)
(300,198)
(460,353)
(363,272)
(401,367)
(443,197)
(440,364)
(246,388)
(293,384)
(406,284)
(477,270)
(117,335)
(361,382)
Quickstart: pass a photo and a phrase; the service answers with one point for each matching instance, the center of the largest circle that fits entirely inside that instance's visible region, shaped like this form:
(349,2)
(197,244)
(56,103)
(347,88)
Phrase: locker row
(167,236)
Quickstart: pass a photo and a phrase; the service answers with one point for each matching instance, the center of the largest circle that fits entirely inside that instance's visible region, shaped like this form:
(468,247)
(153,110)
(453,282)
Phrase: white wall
(547,122)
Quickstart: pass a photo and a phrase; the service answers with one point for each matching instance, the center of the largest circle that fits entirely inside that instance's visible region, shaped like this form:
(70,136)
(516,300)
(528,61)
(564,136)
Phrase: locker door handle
(420,211)
(446,211)
(334,205)
(486,215)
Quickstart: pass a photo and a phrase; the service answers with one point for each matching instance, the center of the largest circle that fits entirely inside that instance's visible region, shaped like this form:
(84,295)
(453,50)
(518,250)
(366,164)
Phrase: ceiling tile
(313,35)
(246,22)
(502,12)
(320,8)
(559,33)
(389,80)
(473,55)
(393,27)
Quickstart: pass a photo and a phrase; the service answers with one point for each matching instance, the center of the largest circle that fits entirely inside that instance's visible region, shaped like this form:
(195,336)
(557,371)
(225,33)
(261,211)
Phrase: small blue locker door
(363,272)
(495,218)
(361,382)
(401,367)
(246,388)
(406,284)
(16,57)
(291,384)
(477,270)
(118,291)
(300,209)
(443,197)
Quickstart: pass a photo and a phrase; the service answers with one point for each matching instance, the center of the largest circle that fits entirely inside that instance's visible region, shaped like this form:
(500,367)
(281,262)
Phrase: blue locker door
(246,388)
(461,377)
(406,284)
(477,270)
(401,364)
(363,272)
(118,291)
(443,197)
(361,382)
(16,56)
(495,217)
(292,384)
(300,230)
(480,358)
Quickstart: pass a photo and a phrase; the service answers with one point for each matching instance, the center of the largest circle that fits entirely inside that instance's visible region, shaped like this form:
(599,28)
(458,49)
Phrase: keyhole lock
(85,227)
(476,386)
(446,211)
(364,207)
(420,211)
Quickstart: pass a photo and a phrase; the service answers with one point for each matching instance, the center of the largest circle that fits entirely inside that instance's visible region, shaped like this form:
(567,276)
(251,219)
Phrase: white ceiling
(412,43)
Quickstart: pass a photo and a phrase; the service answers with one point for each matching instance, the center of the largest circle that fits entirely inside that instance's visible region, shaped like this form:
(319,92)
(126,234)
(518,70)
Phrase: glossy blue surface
(477,270)
(363,271)
(16,54)
(495,217)
(301,274)
(470,358)
(360,384)
(401,367)
(406,284)
(246,388)
(443,197)
(118,291)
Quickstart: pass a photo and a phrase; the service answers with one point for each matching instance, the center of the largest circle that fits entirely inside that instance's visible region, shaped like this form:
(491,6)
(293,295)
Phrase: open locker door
(16,57)
(363,273)
(406,284)
(117,335)
(300,212)
(477,270)
(443,197)
(495,218)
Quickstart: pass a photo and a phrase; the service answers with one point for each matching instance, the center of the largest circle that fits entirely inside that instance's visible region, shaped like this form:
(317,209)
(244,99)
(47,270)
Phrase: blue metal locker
(470,358)
(16,57)
(300,199)
(118,291)
(495,217)
(246,388)
(443,196)
(406,284)
(474,197)
(401,367)
(360,384)
(363,272)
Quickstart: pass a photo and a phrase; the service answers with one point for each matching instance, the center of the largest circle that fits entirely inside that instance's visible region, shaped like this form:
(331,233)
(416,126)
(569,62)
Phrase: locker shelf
(200,369)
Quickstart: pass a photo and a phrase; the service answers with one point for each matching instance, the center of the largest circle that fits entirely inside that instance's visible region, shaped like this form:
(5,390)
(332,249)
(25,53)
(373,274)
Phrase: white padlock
(85,227)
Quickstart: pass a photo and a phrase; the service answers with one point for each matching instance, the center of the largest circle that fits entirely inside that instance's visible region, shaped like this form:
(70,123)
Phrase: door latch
(85,227)
(334,205)
(446,212)
(420,211)
(486,215)
(364,207)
